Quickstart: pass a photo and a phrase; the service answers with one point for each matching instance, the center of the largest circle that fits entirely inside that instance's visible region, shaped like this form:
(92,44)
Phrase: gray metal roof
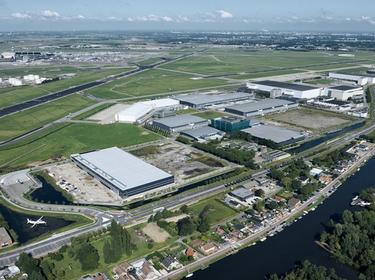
(202,99)
(274,133)
(276,84)
(260,105)
(120,168)
(242,193)
(202,132)
(180,120)
(345,87)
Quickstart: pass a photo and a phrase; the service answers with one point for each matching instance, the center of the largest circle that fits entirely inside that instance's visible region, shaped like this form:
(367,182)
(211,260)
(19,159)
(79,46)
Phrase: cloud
(151,18)
(21,15)
(224,14)
(50,14)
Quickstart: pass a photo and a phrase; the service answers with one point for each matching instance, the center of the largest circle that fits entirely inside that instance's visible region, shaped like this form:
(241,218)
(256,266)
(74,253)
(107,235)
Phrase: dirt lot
(83,187)
(156,233)
(310,119)
(181,161)
(107,116)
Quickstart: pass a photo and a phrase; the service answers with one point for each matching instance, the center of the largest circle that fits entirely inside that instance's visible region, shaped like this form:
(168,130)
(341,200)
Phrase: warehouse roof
(274,133)
(202,99)
(242,193)
(290,86)
(345,87)
(260,105)
(120,168)
(202,132)
(181,120)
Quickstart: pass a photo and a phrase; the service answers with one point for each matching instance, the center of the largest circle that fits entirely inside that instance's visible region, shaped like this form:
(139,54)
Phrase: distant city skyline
(288,15)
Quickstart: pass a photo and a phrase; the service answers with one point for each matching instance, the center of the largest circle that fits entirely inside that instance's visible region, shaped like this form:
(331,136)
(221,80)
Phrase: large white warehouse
(280,88)
(138,111)
(359,80)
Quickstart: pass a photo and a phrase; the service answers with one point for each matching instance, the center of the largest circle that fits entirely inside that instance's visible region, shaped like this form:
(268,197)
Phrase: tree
(184,209)
(204,225)
(259,205)
(88,256)
(30,266)
(108,253)
(185,226)
(307,271)
(259,193)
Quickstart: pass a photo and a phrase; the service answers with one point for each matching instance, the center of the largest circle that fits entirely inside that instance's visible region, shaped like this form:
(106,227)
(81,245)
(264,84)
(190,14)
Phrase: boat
(263,239)
(189,275)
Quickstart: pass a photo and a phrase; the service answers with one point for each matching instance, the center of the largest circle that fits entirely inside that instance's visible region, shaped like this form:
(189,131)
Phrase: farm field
(14,95)
(64,140)
(311,119)
(24,121)
(224,62)
(152,82)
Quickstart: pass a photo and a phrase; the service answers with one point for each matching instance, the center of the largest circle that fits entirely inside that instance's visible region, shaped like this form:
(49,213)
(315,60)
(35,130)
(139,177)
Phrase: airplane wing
(40,219)
(33,225)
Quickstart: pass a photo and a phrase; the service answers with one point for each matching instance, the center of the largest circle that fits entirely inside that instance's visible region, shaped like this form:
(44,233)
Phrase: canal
(278,254)
(18,222)
(48,194)
(330,135)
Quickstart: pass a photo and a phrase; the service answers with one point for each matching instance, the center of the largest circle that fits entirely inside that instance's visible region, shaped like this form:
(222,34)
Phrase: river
(279,253)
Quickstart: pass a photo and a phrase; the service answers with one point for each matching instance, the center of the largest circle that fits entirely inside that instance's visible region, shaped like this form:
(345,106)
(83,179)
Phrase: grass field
(152,82)
(219,211)
(210,115)
(311,119)
(69,139)
(70,269)
(14,95)
(220,62)
(24,121)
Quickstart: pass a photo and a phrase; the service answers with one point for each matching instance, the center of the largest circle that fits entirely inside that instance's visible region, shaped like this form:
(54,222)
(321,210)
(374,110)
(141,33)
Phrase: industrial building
(201,101)
(122,172)
(276,89)
(204,134)
(361,80)
(261,108)
(230,124)
(344,92)
(278,135)
(242,194)
(180,123)
(139,112)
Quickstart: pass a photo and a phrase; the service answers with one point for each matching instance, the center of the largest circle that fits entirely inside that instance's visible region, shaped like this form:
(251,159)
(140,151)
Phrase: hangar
(276,89)
(261,108)
(122,172)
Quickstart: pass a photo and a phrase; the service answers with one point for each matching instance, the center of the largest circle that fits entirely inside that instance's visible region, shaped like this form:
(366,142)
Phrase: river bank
(297,242)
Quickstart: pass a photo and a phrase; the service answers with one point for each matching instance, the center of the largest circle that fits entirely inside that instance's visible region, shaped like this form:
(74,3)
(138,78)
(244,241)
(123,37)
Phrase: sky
(220,15)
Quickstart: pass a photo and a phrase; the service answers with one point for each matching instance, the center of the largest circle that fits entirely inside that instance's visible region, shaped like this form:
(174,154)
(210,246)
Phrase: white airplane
(36,222)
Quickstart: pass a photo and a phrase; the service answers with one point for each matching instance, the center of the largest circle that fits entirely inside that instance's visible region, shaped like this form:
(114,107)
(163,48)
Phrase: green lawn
(24,121)
(65,140)
(218,212)
(210,115)
(14,95)
(152,82)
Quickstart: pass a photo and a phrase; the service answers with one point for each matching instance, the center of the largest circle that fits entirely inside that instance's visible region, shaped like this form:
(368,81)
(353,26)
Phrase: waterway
(278,254)
(330,135)
(18,222)
(48,194)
